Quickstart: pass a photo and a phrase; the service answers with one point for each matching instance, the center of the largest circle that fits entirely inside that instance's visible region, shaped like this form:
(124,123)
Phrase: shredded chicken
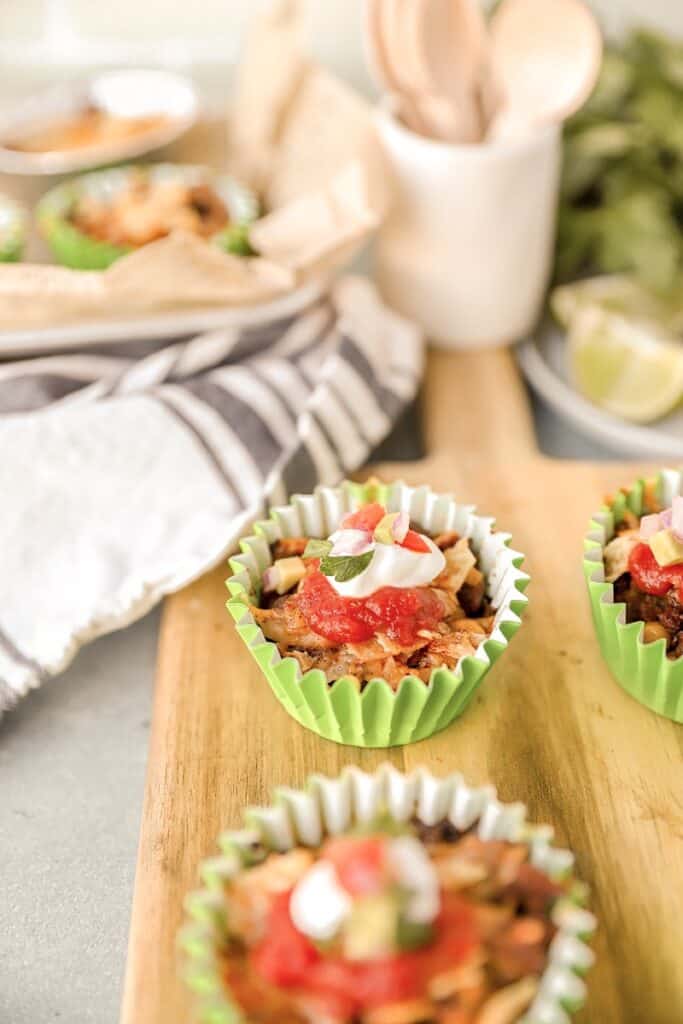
(450,601)
(617,554)
(288,547)
(495,982)
(285,624)
(506,1005)
(459,562)
(472,592)
(466,622)
(251,892)
(146,210)
(661,615)
(342,661)
(446,540)
(447,650)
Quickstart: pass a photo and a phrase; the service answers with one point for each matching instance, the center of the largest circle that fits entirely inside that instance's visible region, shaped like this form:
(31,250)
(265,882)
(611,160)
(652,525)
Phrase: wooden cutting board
(549,726)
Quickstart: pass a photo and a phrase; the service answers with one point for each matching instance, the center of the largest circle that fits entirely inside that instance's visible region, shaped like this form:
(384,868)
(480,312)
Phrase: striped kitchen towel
(127,471)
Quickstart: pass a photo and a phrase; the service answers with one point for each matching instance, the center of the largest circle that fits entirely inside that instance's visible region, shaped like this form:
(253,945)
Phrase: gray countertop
(72,764)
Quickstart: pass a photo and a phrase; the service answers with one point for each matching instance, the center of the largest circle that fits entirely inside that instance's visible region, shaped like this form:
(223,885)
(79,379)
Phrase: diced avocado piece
(666,548)
(370,930)
(290,571)
(384,530)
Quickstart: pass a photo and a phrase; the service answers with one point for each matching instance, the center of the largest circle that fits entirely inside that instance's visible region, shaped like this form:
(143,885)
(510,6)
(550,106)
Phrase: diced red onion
(352,542)
(649,525)
(669,519)
(400,527)
(677,517)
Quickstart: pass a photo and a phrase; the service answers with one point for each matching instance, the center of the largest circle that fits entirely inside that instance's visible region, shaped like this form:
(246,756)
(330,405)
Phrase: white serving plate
(129,93)
(542,359)
(156,326)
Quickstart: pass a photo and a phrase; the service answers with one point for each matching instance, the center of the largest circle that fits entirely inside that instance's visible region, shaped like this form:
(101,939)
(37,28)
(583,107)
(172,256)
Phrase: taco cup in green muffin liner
(638,633)
(387,897)
(368,709)
(13,230)
(74,247)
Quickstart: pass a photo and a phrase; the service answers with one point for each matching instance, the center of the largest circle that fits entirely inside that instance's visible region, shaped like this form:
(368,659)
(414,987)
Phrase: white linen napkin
(122,479)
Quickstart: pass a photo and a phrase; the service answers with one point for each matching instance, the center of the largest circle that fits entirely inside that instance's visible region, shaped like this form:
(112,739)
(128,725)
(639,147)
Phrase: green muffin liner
(643,670)
(378,716)
(332,806)
(13,230)
(79,251)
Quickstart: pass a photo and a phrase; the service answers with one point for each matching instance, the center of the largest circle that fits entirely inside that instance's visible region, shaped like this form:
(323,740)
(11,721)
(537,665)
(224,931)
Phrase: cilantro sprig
(345,567)
(341,567)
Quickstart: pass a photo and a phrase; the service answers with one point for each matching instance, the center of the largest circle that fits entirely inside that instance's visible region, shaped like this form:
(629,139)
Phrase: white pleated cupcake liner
(379,716)
(328,807)
(643,670)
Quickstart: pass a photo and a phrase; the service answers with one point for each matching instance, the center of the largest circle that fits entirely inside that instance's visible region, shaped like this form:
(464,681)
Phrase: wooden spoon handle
(374,46)
(382,71)
(449,54)
(405,34)
(399,29)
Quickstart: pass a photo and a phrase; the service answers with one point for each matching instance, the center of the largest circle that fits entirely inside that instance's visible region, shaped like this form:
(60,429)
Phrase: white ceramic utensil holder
(467,247)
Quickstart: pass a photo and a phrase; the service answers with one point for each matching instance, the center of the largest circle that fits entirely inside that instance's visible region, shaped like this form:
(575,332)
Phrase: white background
(68,33)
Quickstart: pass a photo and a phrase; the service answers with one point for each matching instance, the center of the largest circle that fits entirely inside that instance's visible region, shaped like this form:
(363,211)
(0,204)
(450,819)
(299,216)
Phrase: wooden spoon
(547,57)
(454,53)
(383,73)
(400,27)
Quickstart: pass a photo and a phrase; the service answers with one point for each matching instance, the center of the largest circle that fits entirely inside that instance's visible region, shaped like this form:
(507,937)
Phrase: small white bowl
(127,93)
(467,247)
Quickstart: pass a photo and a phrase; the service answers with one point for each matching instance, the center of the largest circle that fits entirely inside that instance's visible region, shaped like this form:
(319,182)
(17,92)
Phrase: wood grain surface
(549,726)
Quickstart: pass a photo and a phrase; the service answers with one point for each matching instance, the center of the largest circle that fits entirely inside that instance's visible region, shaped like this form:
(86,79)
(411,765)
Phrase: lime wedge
(624,366)
(615,293)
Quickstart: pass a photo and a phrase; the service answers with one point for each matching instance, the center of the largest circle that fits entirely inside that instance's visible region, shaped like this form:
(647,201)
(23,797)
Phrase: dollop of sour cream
(319,905)
(394,566)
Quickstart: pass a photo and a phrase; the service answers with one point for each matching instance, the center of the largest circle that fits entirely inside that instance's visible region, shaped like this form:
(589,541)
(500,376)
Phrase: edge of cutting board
(549,727)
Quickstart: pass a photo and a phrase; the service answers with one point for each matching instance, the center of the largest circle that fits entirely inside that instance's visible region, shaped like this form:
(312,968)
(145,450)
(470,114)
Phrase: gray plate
(544,364)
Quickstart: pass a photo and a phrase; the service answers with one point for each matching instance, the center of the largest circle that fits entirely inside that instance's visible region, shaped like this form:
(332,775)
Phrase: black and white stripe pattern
(296,393)
(271,409)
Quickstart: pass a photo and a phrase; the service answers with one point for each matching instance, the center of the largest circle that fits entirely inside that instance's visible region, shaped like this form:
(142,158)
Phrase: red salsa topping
(369,517)
(396,611)
(287,958)
(366,518)
(413,541)
(359,863)
(651,577)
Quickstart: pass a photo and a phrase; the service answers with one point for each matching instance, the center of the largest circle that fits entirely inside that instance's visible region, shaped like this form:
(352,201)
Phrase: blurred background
(98,714)
(52,741)
(39,36)
(635,170)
